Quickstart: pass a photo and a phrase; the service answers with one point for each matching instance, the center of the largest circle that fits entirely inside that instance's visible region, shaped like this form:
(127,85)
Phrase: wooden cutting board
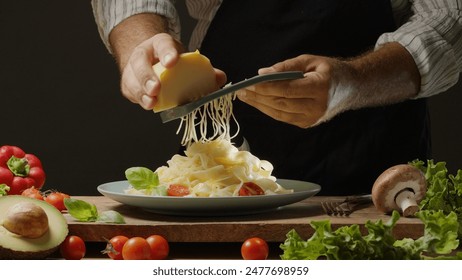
(271,226)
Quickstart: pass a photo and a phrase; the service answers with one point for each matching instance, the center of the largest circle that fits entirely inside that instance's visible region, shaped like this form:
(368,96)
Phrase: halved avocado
(14,246)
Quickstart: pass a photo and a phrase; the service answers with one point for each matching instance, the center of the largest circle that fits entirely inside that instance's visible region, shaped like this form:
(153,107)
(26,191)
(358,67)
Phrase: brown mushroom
(400,187)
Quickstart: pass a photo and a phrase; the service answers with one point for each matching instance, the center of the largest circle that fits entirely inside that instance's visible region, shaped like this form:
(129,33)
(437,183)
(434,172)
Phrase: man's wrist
(133,31)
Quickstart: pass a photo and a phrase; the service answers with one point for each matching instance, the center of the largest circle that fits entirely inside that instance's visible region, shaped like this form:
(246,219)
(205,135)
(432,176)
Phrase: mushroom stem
(407,203)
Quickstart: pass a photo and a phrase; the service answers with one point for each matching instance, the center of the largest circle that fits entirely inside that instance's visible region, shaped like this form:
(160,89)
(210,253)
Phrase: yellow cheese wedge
(191,77)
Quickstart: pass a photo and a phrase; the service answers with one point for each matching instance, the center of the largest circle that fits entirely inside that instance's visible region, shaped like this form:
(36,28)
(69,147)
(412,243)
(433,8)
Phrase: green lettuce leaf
(444,190)
(348,243)
(440,235)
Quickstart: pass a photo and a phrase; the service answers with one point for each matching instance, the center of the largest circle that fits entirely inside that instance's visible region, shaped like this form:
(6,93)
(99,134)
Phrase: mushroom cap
(394,180)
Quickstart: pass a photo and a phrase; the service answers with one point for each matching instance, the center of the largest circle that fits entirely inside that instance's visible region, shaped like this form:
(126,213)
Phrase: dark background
(60,100)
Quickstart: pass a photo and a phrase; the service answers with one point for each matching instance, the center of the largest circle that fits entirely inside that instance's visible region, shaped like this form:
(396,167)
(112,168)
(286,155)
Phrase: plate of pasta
(212,178)
(210,206)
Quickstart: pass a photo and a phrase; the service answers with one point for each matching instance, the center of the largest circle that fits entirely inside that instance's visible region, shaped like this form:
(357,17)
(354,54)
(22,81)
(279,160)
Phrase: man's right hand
(139,83)
(139,42)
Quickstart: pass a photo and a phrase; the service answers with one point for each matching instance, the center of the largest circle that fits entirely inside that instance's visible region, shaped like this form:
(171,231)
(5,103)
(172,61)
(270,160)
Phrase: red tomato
(73,248)
(136,248)
(250,188)
(33,193)
(114,247)
(254,248)
(177,190)
(159,247)
(57,200)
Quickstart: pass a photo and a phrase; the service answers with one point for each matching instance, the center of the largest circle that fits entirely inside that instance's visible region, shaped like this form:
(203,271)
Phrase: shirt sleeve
(109,13)
(433,36)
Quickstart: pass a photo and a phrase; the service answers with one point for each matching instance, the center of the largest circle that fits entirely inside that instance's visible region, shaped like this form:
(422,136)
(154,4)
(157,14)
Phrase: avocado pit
(27,220)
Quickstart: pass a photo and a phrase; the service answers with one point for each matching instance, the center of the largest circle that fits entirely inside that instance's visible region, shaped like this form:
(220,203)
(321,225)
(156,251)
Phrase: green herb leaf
(81,210)
(87,212)
(142,178)
(111,216)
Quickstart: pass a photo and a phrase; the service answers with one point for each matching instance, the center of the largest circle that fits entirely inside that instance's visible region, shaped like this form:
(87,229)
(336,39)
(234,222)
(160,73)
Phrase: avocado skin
(7,254)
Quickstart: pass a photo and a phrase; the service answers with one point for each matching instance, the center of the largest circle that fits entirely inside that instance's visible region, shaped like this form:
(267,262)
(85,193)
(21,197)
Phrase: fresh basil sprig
(111,216)
(142,178)
(87,212)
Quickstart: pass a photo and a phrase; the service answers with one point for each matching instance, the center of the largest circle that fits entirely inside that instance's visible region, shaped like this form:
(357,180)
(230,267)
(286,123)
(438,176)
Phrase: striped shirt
(431,30)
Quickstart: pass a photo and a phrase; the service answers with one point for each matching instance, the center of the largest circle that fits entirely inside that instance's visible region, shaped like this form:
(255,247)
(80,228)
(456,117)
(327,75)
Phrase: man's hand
(138,43)
(331,86)
(299,102)
(139,83)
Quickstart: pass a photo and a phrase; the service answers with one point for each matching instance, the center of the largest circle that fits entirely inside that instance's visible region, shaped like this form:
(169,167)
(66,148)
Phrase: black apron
(346,154)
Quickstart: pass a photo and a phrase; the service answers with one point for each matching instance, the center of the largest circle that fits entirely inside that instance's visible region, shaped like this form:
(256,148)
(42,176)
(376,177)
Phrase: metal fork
(345,207)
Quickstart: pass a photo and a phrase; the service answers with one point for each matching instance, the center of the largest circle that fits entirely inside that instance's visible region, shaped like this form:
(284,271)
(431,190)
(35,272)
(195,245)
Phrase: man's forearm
(385,76)
(132,31)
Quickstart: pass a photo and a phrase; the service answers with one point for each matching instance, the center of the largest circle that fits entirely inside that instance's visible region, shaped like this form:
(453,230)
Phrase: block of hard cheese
(191,77)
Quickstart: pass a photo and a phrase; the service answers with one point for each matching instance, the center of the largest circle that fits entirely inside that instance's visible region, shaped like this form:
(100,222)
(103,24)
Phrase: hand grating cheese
(192,76)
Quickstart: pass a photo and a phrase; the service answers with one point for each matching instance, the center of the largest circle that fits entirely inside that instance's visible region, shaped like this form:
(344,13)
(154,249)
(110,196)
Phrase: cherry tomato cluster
(154,247)
(54,198)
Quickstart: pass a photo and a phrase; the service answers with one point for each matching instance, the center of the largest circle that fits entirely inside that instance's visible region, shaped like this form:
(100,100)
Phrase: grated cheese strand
(219,112)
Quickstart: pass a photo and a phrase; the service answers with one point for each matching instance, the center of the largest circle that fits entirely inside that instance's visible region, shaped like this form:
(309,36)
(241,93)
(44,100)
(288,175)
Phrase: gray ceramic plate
(211,206)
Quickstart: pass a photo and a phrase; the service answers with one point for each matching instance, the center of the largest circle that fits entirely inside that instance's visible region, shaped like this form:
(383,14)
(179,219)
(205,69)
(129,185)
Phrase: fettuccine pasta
(217,168)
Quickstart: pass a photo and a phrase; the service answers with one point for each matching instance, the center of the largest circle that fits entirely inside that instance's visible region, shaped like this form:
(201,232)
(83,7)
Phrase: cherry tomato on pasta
(177,190)
(250,188)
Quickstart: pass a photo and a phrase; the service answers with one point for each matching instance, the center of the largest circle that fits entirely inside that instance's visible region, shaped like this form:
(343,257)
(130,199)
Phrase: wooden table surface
(271,226)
